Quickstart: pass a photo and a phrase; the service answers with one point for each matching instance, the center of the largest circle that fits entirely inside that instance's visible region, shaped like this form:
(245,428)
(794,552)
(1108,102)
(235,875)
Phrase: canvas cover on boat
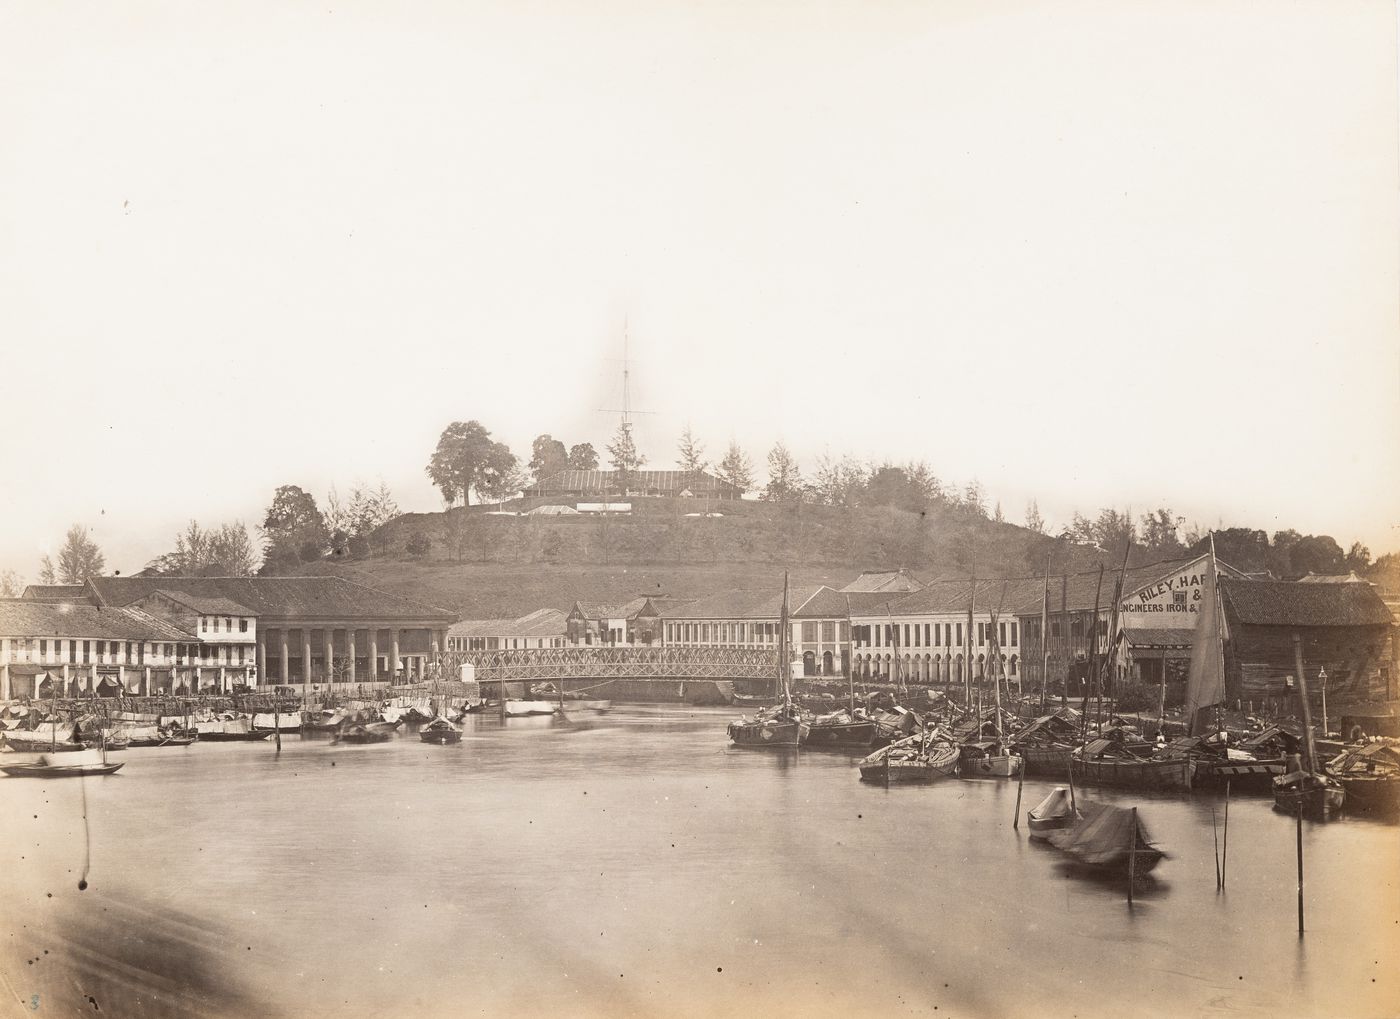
(1104,835)
(73,759)
(1057,804)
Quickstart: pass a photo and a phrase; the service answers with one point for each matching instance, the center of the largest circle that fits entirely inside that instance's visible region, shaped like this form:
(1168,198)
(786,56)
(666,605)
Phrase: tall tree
(583,457)
(465,454)
(736,468)
(624,457)
(997,514)
(1159,531)
(79,558)
(784,477)
(974,498)
(692,453)
(1358,557)
(293,529)
(11,584)
(928,488)
(232,551)
(840,482)
(499,485)
(1034,521)
(547,457)
(47,574)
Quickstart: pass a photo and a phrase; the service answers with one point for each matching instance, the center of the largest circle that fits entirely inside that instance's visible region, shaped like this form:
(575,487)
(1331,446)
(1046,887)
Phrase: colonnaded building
(187,634)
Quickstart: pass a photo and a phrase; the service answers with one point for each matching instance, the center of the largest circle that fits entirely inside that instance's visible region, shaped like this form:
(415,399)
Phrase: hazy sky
(1098,253)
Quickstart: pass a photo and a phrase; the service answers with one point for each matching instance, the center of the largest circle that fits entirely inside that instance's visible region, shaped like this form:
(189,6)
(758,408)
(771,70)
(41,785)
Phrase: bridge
(535,665)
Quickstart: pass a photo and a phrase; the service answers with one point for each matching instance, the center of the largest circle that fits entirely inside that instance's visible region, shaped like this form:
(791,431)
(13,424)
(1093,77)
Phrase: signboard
(1172,602)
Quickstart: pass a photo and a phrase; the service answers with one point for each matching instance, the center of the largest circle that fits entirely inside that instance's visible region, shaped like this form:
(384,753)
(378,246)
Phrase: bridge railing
(540,664)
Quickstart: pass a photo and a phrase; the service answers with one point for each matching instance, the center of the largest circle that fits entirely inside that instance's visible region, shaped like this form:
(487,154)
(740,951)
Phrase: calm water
(633,865)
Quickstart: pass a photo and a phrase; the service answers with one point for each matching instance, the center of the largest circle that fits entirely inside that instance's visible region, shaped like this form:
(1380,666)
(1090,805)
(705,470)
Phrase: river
(633,864)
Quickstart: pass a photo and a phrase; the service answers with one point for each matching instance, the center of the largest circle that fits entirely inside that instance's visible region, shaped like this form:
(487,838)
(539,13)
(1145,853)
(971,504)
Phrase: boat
(1057,811)
(987,759)
(271,721)
(356,732)
(229,729)
(440,731)
(523,708)
(325,720)
(47,737)
(1109,762)
(76,764)
(923,757)
(783,725)
(1316,793)
(991,758)
(841,730)
(1045,744)
(1370,774)
(1111,840)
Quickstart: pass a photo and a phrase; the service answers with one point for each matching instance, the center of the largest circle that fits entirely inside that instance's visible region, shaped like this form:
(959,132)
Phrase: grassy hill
(483,565)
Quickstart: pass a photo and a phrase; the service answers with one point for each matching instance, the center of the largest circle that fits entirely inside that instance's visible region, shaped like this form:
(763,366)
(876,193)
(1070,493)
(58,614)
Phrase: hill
(481,564)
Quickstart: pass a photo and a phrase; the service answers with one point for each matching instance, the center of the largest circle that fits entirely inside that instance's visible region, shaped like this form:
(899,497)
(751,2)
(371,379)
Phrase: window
(203,624)
(960,640)
(937,635)
(878,630)
(1001,634)
(1103,627)
(43,649)
(228,624)
(928,640)
(828,631)
(845,631)
(1178,597)
(809,632)
(948,634)
(1013,635)
(906,634)
(1054,627)
(242,625)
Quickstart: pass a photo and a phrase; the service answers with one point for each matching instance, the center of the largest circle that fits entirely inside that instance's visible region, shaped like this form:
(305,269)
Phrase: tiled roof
(946,596)
(884,580)
(1167,637)
(605,481)
(540,623)
(279,597)
(163,626)
(765,604)
(602,610)
(1283,603)
(20,617)
(209,605)
(829,604)
(54,592)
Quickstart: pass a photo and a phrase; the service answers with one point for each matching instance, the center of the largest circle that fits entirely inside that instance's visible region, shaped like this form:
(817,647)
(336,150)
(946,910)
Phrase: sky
(1097,254)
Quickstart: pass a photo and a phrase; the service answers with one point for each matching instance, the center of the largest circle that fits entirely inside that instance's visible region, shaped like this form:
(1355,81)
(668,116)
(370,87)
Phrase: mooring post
(1020,784)
(1300,866)
(1225,840)
(277,722)
(1132,857)
(1215,834)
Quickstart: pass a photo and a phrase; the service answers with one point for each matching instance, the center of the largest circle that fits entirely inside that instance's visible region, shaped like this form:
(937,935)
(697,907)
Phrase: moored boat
(1055,812)
(77,764)
(924,757)
(356,732)
(1370,774)
(1107,762)
(522,708)
(440,731)
(1108,839)
(781,726)
(841,730)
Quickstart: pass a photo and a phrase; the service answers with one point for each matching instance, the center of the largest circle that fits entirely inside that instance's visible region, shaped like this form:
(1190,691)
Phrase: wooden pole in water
(1132,857)
(1300,867)
(1215,834)
(1303,698)
(1020,784)
(277,722)
(1225,847)
(1073,808)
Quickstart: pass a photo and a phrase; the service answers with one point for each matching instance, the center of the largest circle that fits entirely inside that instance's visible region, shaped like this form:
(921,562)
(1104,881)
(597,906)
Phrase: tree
(997,514)
(975,499)
(583,457)
(547,457)
(79,558)
(1358,557)
(225,551)
(293,529)
(1081,529)
(1034,521)
(736,468)
(500,485)
(1112,528)
(840,482)
(784,477)
(888,485)
(692,454)
(419,545)
(465,456)
(11,584)
(623,455)
(927,487)
(47,574)
(1316,553)
(1159,531)
(232,550)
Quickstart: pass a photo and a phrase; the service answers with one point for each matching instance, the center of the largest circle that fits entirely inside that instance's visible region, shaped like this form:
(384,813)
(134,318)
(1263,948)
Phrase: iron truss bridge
(531,664)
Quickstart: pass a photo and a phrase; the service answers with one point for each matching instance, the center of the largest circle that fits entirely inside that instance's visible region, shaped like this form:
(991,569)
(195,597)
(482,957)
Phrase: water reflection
(633,863)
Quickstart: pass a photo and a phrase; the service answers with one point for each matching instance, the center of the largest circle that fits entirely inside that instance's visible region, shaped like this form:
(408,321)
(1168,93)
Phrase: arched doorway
(828,664)
(809,663)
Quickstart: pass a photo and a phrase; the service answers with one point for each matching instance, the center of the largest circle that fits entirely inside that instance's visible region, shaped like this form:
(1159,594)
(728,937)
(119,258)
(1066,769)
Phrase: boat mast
(1044,638)
(784,667)
(850,666)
